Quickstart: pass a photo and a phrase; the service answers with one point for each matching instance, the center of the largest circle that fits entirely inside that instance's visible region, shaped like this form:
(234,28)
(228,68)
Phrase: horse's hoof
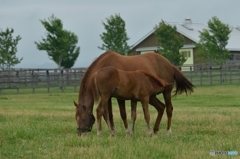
(169,131)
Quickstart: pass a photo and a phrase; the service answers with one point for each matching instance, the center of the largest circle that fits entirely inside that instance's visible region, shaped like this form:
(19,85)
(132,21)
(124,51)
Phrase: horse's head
(84,117)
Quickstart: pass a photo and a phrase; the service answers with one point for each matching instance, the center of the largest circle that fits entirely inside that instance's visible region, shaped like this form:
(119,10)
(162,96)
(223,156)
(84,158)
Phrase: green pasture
(42,125)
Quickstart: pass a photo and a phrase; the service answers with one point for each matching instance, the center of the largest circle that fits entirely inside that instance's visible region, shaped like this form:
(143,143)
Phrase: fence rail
(212,75)
(61,78)
(40,78)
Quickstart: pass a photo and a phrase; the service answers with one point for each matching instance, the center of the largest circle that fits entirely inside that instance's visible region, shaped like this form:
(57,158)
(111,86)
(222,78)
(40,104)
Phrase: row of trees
(61,44)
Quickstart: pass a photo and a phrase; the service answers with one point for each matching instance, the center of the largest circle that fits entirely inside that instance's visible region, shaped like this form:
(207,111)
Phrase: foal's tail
(182,83)
(157,79)
(94,89)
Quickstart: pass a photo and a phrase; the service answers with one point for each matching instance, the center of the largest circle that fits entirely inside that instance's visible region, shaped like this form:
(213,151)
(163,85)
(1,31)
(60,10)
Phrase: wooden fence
(203,74)
(40,78)
(33,79)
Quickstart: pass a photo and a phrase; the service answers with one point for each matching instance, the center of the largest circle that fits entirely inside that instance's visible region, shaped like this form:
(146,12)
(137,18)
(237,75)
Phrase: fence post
(221,75)
(75,83)
(62,82)
(0,83)
(201,74)
(191,73)
(239,72)
(48,82)
(17,81)
(33,82)
(0,88)
(225,73)
(210,73)
(25,76)
(230,74)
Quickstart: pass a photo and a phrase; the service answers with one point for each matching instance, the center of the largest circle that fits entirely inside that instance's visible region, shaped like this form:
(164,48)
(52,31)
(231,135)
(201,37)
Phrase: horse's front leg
(99,112)
(146,115)
(110,114)
(123,114)
(133,115)
(104,105)
(112,131)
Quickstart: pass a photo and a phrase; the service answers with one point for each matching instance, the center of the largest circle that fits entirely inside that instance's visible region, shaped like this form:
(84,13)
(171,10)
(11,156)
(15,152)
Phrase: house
(190,32)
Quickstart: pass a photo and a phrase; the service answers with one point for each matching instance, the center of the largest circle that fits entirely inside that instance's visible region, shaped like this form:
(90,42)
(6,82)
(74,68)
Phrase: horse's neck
(87,99)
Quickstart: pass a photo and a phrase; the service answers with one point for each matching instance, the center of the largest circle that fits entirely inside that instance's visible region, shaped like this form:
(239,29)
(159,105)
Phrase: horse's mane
(83,84)
(158,80)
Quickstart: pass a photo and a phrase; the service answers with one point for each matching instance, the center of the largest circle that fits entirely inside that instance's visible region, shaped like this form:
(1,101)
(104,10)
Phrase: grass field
(42,125)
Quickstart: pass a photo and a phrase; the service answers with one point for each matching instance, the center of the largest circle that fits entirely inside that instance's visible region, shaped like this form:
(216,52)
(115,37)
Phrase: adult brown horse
(126,85)
(151,62)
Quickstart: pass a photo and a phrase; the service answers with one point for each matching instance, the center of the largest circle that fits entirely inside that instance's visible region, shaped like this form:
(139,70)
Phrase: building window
(231,57)
(185,53)
(237,57)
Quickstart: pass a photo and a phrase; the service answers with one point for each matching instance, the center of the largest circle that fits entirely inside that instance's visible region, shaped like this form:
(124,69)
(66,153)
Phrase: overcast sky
(85,18)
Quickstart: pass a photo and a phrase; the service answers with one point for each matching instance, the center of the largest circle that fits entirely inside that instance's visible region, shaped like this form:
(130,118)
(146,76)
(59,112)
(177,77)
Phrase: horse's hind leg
(169,110)
(123,114)
(160,108)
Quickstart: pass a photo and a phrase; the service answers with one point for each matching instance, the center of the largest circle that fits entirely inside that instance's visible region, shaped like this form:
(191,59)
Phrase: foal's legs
(146,114)
(110,114)
(160,108)
(123,114)
(133,115)
(102,109)
(169,109)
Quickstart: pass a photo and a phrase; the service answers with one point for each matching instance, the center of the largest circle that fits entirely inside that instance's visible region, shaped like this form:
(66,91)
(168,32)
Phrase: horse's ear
(76,105)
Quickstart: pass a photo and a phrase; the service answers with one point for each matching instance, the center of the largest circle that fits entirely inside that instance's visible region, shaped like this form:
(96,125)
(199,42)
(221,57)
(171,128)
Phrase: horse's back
(151,62)
(106,74)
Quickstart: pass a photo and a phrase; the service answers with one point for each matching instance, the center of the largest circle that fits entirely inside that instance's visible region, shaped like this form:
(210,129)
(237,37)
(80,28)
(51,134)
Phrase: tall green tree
(60,44)
(8,49)
(170,42)
(213,42)
(115,38)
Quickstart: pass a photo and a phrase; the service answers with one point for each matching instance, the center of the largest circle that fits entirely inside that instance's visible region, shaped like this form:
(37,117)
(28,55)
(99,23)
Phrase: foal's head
(85,119)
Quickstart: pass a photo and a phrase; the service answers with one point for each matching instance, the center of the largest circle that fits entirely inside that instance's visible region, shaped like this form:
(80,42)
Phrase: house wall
(151,41)
(189,60)
(148,42)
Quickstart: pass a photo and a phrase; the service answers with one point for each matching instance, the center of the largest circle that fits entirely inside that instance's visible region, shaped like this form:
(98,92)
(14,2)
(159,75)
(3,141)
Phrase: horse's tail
(94,88)
(158,80)
(182,83)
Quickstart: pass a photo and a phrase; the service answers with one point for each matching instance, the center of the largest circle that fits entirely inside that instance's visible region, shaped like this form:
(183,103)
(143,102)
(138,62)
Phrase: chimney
(187,23)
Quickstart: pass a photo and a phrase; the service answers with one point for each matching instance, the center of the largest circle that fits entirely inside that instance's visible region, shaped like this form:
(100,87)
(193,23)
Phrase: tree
(170,43)
(8,49)
(115,38)
(59,43)
(213,42)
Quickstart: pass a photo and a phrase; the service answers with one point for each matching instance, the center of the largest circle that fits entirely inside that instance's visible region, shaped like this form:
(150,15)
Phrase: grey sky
(84,18)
